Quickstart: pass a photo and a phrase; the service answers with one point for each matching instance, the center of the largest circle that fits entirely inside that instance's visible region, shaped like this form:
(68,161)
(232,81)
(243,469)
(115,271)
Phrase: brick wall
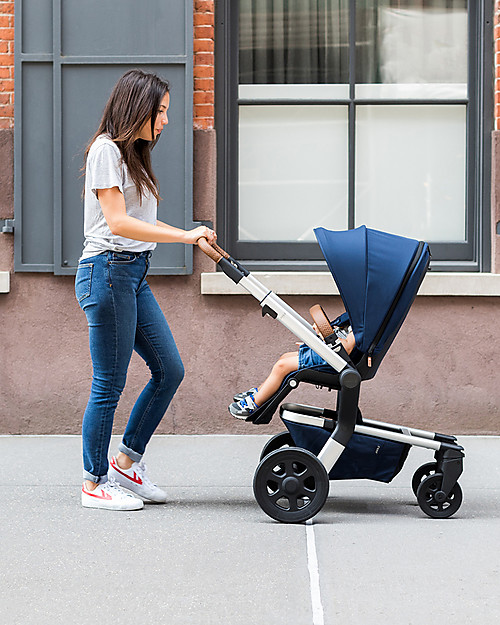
(6,64)
(203,64)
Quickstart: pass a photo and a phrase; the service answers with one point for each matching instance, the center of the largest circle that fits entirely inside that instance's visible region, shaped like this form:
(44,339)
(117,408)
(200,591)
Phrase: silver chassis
(332,449)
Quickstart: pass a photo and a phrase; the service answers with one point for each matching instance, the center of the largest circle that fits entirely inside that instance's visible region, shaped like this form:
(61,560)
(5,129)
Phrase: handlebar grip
(213,251)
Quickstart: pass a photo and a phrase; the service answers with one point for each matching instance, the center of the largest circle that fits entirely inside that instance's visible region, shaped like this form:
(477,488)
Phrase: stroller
(378,276)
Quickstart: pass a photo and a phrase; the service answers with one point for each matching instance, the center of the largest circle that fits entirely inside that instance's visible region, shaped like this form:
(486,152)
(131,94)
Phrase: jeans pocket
(121,258)
(83,281)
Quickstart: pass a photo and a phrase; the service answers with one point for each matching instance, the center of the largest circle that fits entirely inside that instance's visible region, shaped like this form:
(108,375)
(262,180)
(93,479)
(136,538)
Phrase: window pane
(411,42)
(294,41)
(292,171)
(410,170)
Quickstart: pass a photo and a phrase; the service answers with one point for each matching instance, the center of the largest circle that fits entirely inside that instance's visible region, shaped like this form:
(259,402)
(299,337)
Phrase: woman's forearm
(132,228)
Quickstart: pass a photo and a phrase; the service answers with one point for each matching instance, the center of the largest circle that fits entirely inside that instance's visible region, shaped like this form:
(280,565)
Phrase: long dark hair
(135,98)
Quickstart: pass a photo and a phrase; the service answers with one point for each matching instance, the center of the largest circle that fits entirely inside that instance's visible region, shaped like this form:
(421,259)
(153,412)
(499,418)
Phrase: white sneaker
(136,480)
(110,496)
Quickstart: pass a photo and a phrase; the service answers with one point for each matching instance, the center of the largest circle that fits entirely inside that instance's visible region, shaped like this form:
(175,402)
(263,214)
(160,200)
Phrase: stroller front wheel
(433,501)
(291,485)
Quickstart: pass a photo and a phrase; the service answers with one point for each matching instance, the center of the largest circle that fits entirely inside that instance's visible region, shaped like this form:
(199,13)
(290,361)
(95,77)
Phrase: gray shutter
(68,57)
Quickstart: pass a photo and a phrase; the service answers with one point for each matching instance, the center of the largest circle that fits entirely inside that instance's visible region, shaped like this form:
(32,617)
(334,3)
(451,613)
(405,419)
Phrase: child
(247,402)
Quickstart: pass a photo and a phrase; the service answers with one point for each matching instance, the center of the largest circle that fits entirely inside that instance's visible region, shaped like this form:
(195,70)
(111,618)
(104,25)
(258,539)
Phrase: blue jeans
(123,315)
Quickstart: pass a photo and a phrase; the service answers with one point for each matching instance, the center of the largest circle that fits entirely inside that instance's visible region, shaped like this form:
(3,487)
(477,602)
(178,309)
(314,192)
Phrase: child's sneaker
(243,408)
(136,480)
(110,496)
(239,396)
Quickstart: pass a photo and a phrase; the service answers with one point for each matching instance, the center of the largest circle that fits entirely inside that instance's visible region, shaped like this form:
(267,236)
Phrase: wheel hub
(440,496)
(291,485)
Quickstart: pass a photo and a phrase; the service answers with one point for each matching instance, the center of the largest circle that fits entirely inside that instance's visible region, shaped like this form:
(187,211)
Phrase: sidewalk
(211,556)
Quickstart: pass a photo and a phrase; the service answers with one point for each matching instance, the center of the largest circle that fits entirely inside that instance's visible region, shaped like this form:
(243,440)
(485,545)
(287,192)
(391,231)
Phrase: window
(339,113)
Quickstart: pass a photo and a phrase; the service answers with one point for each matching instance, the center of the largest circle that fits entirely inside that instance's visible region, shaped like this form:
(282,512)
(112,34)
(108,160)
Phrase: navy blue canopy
(378,275)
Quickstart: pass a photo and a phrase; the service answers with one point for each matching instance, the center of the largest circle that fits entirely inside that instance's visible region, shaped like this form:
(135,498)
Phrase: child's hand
(349,342)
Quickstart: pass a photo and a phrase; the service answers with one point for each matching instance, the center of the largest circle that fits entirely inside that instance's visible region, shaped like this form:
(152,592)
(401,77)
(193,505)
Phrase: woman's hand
(199,232)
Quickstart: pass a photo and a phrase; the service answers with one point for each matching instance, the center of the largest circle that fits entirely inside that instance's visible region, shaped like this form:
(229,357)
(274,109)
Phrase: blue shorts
(310,360)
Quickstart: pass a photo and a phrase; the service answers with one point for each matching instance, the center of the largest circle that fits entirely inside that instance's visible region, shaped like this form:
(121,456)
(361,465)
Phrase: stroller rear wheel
(434,502)
(283,439)
(422,472)
(291,485)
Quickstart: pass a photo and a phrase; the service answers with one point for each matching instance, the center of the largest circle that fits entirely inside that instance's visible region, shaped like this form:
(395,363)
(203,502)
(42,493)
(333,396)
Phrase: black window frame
(472,255)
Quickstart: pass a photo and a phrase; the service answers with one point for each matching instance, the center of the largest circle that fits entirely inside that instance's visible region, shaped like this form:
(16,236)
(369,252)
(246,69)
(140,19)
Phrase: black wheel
(283,439)
(291,485)
(433,501)
(422,472)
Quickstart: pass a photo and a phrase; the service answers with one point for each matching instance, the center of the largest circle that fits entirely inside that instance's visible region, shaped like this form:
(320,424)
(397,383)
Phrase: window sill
(321,283)
(4,282)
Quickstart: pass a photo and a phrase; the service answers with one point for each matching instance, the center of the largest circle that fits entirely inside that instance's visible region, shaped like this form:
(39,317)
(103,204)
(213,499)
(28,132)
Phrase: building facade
(286,116)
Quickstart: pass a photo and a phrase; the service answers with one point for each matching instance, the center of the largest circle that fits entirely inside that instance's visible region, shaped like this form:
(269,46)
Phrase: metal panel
(59,102)
(123,27)
(37,26)
(37,165)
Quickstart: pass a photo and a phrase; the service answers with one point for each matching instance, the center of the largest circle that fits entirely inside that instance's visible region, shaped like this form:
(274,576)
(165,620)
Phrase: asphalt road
(211,556)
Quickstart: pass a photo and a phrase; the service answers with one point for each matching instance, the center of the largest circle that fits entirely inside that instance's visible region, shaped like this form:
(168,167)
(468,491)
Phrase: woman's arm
(113,207)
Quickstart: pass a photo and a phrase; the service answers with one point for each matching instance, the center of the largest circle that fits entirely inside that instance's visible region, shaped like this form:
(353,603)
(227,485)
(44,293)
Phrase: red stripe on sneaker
(136,479)
(103,494)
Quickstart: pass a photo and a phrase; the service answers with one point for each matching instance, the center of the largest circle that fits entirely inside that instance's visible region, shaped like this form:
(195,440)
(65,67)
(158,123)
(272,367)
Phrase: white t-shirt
(105,170)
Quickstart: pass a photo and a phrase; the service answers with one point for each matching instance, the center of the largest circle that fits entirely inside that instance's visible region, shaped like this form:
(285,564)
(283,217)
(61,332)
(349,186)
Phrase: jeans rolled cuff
(133,455)
(97,479)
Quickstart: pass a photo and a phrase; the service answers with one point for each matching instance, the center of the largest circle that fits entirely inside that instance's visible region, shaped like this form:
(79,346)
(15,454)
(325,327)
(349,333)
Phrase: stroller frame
(291,484)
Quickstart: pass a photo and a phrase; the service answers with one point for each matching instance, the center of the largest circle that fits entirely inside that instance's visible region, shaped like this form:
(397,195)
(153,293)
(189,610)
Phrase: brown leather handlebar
(215,252)
(321,320)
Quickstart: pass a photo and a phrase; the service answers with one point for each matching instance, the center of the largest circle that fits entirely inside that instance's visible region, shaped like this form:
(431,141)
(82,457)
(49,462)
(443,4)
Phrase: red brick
(203,45)
(203,110)
(203,71)
(6,60)
(7,7)
(7,110)
(200,19)
(7,34)
(6,85)
(5,20)
(204,84)
(203,97)
(6,122)
(203,58)
(203,123)
(205,31)
(204,6)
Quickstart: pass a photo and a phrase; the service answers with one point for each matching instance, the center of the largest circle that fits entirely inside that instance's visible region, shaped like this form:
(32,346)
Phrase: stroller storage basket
(365,457)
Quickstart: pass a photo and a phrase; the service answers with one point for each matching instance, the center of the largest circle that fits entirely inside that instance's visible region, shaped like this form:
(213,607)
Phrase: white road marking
(312,565)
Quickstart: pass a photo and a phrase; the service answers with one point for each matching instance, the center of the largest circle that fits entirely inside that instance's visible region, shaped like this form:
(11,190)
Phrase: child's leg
(287,363)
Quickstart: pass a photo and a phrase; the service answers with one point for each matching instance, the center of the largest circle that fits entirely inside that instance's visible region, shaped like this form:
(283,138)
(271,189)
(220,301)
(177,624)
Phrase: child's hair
(135,98)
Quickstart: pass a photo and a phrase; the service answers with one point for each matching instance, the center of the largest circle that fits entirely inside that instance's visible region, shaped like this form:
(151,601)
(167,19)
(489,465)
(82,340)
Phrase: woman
(121,230)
